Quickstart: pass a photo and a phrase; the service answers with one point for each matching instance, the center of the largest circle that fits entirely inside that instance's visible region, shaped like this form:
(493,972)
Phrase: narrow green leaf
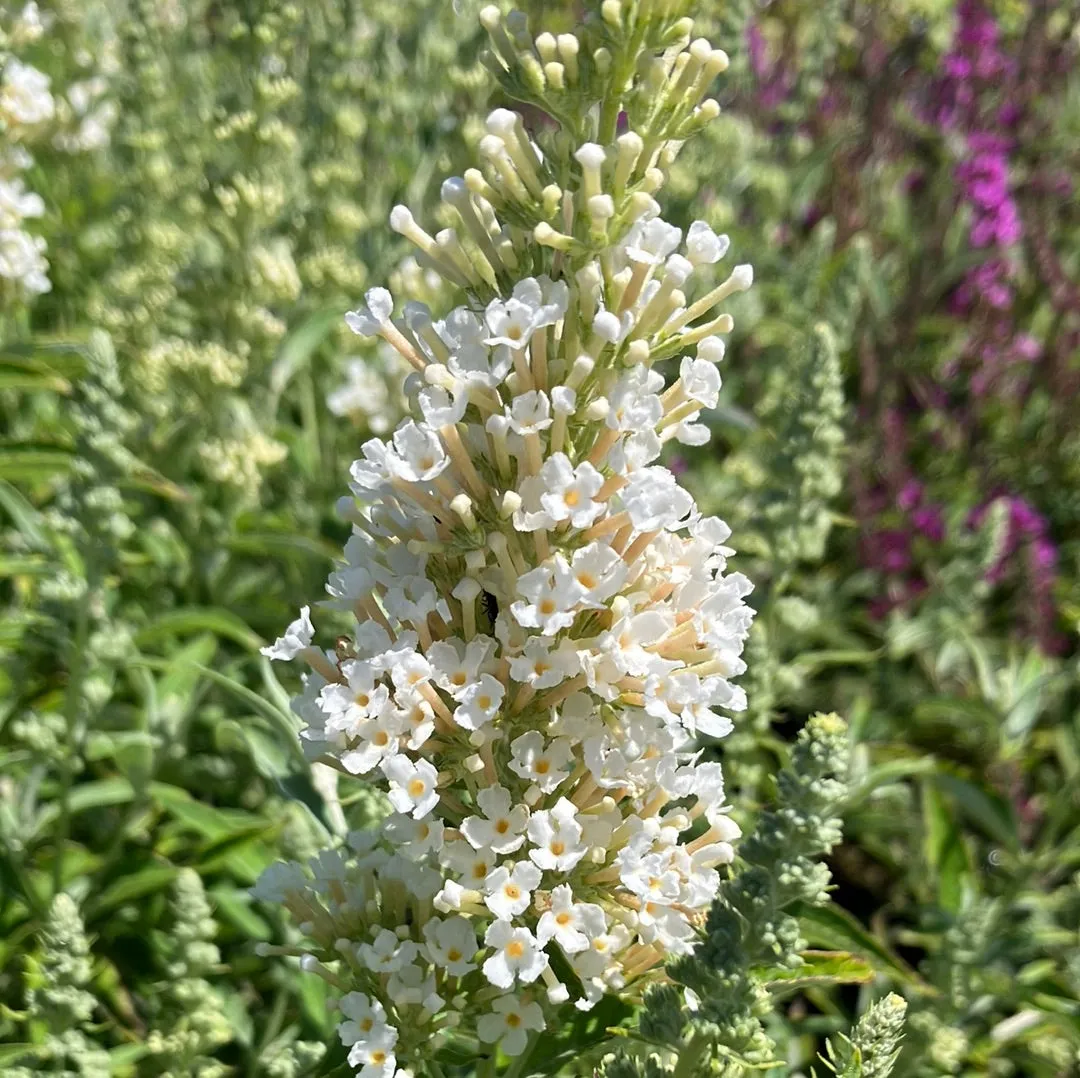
(886,774)
(100,793)
(33,465)
(818,968)
(284,721)
(270,543)
(235,905)
(212,823)
(125,1055)
(12,1053)
(989,811)
(63,358)
(943,847)
(300,345)
(192,619)
(23,515)
(33,381)
(147,881)
(11,567)
(833,928)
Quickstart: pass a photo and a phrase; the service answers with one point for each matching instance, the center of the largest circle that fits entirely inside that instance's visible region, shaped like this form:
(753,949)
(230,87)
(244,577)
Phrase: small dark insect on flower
(490,605)
(344,649)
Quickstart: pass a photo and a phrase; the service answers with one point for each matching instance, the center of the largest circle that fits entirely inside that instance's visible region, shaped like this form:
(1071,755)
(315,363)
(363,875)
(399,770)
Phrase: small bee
(490,606)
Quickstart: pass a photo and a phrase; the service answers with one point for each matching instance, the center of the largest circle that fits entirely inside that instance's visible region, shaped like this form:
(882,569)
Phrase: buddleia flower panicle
(27,107)
(544,622)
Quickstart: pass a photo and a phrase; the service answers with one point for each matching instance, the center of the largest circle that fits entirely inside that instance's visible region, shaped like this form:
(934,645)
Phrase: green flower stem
(76,669)
(691,1057)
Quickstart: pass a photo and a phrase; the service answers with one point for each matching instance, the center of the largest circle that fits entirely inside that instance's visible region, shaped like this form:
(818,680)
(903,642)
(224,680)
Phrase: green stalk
(692,1055)
(76,672)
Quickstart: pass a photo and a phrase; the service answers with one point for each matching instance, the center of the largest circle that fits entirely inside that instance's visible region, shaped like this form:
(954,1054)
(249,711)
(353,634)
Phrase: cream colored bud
(462,506)
(546,236)
(718,62)
(642,203)
(502,122)
(597,410)
(550,198)
(547,46)
(491,146)
(708,110)
(437,374)
(601,208)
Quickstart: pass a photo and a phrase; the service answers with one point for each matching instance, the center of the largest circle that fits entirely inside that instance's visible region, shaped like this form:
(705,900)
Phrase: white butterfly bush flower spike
(543,622)
(27,108)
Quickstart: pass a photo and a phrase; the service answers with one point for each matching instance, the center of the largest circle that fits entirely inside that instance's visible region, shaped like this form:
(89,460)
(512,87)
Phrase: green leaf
(18,464)
(300,345)
(282,720)
(23,515)
(32,381)
(833,928)
(944,849)
(212,823)
(235,905)
(147,881)
(989,811)
(176,689)
(193,619)
(100,793)
(125,1055)
(11,567)
(818,968)
(244,856)
(815,660)
(12,1053)
(886,774)
(270,757)
(270,543)
(107,744)
(62,358)
(239,1019)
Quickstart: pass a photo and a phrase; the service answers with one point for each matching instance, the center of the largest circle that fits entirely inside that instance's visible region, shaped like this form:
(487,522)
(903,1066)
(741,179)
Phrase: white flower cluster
(26,105)
(544,622)
(370,395)
(90,116)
